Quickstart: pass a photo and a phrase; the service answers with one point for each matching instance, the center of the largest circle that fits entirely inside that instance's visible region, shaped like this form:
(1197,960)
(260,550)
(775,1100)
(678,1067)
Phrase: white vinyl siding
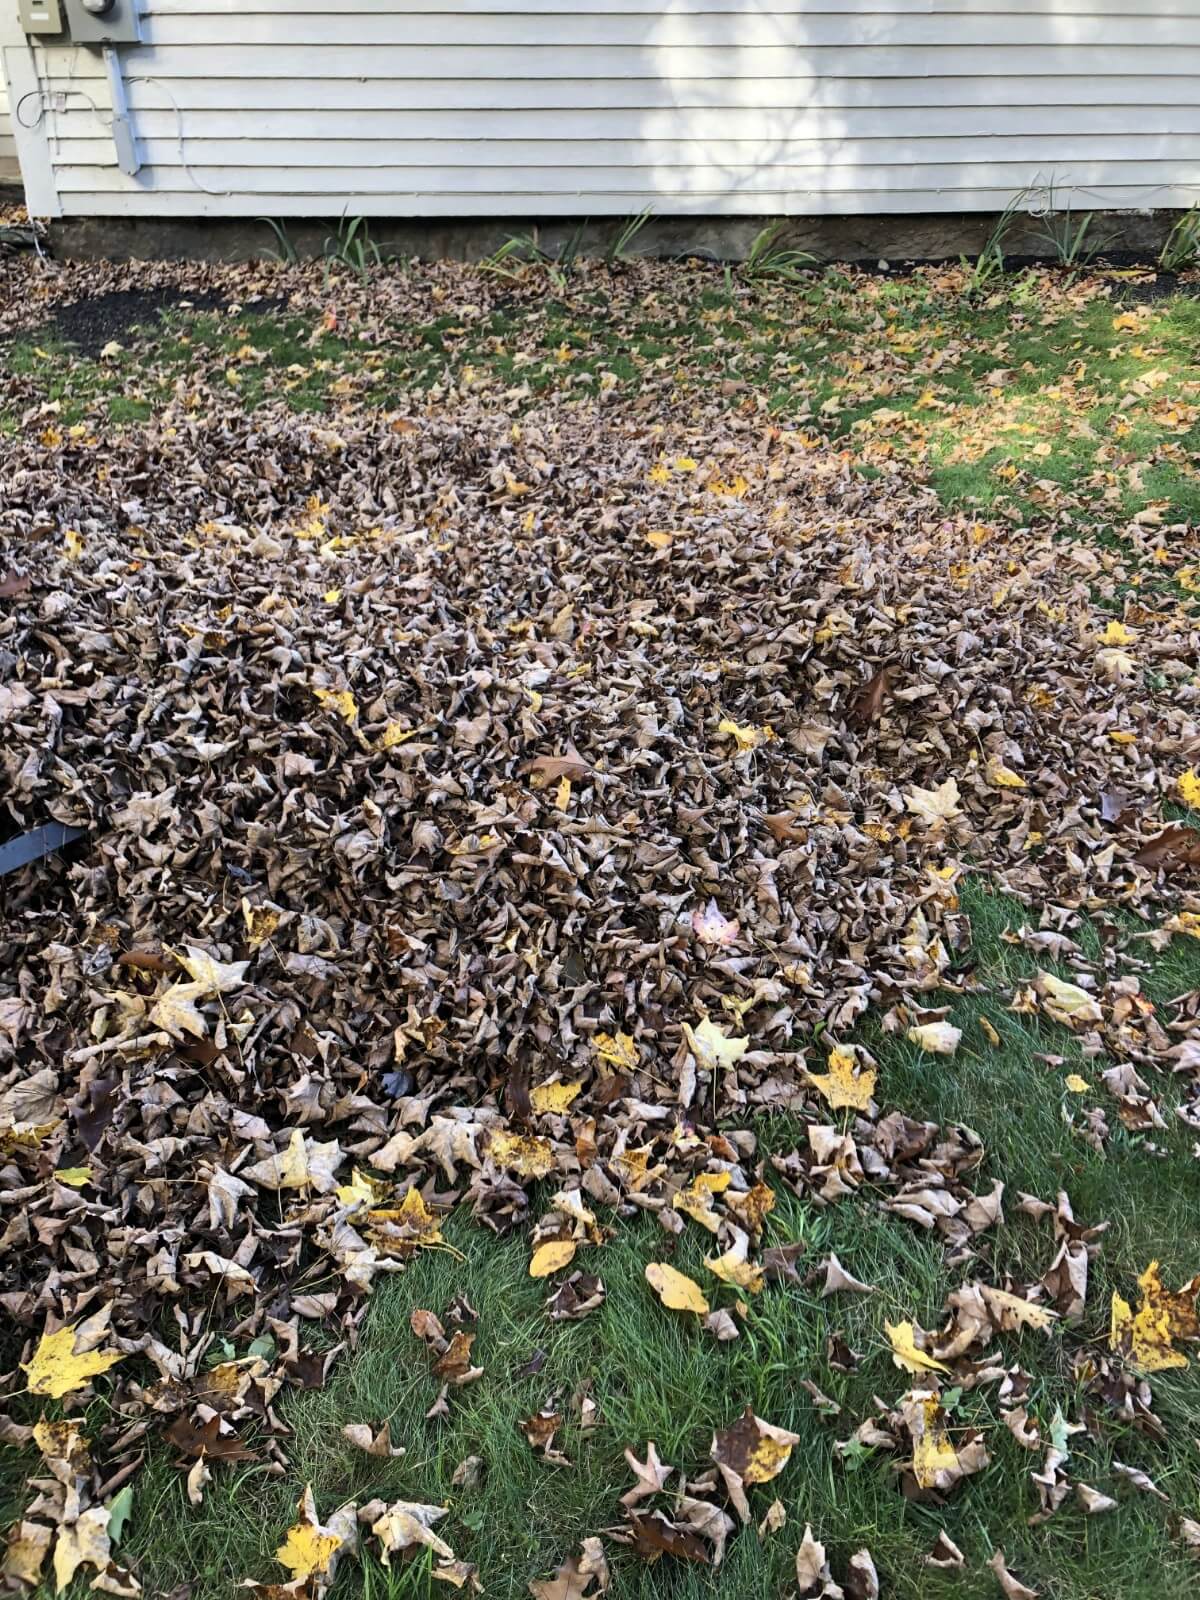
(723,107)
(10,172)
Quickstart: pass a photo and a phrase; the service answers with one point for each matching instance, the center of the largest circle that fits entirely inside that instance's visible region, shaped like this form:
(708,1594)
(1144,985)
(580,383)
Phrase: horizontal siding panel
(734,29)
(870,156)
(371,8)
(697,176)
(314,96)
(521,107)
(669,62)
(598,203)
(766,124)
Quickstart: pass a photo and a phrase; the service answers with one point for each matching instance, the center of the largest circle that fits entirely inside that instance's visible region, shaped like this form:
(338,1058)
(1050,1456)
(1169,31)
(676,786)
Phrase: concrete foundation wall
(865,239)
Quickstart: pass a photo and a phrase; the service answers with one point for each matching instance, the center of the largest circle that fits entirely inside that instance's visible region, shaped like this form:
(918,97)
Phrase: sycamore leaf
(1188,786)
(934,806)
(905,1353)
(551,1257)
(215,977)
(712,1047)
(56,1368)
(175,1011)
(305,1164)
(1011,1311)
(676,1291)
(843,1085)
(555,1097)
(710,927)
(405,1525)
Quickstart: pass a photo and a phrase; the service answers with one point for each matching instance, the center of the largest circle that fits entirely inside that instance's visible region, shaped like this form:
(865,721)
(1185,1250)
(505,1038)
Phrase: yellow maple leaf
(617,1049)
(522,1153)
(675,1289)
(1187,785)
(747,736)
(712,1047)
(551,1257)
(904,1350)
(56,1368)
(1117,633)
(1163,1316)
(308,1548)
(553,1097)
(341,701)
(1066,1002)
(841,1085)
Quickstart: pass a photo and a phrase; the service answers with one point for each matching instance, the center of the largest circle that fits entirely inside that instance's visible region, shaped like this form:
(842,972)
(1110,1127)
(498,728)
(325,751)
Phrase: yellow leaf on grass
(308,1548)
(555,1097)
(552,1256)
(675,1289)
(1076,1084)
(733,1268)
(841,1086)
(904,1350)
(1184,922)
(56,1368)
(28,1545)
(933,1454)
(1163,1316)
(1066,1002)
(1188,786)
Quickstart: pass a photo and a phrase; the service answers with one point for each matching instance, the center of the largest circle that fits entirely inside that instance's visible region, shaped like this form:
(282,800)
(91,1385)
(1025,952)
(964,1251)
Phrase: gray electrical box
(104,21)
(40,16)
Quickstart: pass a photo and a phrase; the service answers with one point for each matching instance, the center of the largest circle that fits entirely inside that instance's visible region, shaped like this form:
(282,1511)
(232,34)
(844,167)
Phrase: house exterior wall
(10,171)
(491,108)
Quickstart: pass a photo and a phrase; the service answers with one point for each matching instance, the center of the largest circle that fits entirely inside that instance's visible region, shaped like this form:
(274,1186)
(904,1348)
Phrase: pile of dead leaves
(479,795)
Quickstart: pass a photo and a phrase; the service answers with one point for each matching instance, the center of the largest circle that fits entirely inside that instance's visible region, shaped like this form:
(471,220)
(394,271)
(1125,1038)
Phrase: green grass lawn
(656,1375)
(1044,398)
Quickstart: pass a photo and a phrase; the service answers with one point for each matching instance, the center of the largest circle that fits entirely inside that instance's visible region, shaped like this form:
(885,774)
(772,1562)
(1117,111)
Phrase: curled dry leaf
(939,1038)
(1013,1588)
(580,1577)
(748,1452)
(651,1475)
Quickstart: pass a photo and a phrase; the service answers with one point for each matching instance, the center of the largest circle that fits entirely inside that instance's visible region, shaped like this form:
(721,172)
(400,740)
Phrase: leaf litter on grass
(438,846)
